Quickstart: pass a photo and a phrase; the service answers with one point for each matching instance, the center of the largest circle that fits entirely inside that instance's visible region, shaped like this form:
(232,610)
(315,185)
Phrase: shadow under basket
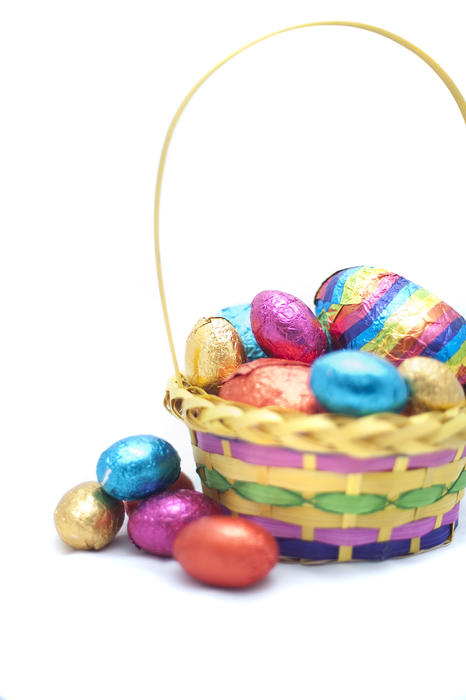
(330,487)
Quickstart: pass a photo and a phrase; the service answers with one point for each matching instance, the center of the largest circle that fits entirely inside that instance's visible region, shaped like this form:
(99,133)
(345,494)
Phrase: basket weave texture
(330,487)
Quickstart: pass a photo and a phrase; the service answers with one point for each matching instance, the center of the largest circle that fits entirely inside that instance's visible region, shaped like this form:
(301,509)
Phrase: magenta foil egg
(154,525)
(286,328)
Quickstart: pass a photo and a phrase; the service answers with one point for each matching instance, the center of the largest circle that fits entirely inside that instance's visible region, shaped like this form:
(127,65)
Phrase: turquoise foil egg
(240,318)
(357,383)
(138,466)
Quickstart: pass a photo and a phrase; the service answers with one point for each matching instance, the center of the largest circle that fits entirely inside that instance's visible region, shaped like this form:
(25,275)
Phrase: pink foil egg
(286,328)
(154,525)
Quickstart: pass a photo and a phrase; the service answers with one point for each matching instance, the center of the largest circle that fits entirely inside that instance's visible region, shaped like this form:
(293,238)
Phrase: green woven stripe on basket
(344,503)
(214,480)
(459,484)
(273,495)
(337,502)
(420,497)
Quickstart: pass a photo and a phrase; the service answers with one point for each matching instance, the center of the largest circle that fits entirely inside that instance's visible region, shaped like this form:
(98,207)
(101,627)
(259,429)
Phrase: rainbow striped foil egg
(368,308)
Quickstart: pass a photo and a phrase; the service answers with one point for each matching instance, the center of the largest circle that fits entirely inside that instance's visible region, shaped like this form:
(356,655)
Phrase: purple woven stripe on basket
(350,536)
(270,456)
(283,457)
(433,459)
(353,536)
(353,465)
(277,528)
(253,454)
(451,516)
(209,443)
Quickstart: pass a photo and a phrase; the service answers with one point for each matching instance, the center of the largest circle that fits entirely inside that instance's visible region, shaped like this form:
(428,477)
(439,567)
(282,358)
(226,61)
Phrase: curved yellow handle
(430,62)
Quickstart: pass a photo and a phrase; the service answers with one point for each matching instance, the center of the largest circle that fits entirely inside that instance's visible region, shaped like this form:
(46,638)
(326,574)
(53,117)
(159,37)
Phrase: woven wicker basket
(329,487)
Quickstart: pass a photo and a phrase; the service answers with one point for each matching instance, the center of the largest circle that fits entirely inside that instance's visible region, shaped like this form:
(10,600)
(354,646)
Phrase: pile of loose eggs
(376,343)
(140,475)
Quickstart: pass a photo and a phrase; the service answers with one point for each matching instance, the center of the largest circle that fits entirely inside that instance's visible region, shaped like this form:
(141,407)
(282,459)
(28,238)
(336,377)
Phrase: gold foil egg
(213,351)
(433,385)
(87,517)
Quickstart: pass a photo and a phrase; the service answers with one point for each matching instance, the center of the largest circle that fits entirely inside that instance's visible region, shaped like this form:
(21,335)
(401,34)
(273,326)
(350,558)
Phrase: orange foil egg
(221,550)
(272,382)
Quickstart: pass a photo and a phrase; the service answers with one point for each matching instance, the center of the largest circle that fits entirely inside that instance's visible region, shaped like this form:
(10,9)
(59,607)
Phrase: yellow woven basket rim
(370,436)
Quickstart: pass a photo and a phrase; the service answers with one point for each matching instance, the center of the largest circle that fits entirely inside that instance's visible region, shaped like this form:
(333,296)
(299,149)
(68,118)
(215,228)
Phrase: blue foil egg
(240,318)
(138,466)
(357,383)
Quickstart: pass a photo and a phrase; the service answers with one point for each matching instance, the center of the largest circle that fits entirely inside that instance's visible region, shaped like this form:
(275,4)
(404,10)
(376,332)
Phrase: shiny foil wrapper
(213,351)
(224,551)
(154,525)
(87,517)
(358,383)
(370,309)
(433,386)
(183,482)
(240,317)
(272,382)
(286,328)
(138,466)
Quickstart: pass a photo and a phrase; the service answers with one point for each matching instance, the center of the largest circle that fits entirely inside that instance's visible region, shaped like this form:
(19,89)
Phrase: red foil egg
(272,382)
(183,482)
(286,328)
(221,550)
(131,505)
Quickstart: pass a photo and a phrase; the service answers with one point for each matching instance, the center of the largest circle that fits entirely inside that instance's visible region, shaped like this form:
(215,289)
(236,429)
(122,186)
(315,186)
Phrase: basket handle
(163,157)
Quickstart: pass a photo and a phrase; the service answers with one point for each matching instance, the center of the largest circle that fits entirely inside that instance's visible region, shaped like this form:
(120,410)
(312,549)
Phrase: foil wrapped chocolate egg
(368,308)
(240,317)
(87,517)
(433,385)
(357,384)
(272,382)
(286,328)
(183,482)
(132,505)
(154,525)
(138,466)
(213,351)
(223,551)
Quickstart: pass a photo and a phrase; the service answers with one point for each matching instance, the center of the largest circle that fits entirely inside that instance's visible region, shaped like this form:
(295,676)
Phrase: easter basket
(329,487)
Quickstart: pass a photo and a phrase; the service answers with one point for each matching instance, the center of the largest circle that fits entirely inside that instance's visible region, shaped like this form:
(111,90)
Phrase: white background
(317,150)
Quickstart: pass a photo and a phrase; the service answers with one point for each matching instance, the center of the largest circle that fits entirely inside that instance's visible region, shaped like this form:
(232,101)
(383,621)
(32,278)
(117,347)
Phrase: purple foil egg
(154,525)
(286,328)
